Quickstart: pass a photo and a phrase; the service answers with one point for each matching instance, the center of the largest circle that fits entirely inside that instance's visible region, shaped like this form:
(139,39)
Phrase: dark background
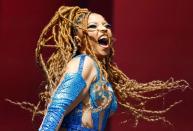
(154,40)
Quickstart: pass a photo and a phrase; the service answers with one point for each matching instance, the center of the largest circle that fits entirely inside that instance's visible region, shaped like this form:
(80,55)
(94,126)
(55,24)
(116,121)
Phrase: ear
(78,40)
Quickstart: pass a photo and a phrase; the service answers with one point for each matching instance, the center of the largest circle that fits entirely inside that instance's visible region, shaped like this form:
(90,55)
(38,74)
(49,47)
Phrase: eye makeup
(93,26)
(107,25)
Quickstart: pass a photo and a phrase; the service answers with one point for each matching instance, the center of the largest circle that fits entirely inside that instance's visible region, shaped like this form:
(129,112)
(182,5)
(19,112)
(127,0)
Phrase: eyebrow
(92,23)
(97,23)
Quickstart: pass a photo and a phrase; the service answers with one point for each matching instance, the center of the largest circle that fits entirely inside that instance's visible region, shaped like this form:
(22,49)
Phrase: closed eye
(108,26)
(92,26)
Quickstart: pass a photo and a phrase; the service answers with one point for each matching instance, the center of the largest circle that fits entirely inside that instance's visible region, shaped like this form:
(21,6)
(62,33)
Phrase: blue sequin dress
(67,92)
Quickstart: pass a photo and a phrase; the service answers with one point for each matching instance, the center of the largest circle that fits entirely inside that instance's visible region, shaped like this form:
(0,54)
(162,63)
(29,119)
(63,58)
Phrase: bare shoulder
(88,67)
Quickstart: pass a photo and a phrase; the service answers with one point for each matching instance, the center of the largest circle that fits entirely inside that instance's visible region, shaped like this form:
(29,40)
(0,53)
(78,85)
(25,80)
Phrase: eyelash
(108,26)
(92,26)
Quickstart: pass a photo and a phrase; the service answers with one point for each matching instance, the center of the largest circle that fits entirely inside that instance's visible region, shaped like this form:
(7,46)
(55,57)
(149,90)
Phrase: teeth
(103,37)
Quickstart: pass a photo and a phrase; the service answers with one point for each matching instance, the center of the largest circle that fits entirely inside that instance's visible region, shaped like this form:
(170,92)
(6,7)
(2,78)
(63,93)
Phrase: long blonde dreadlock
(142,93)
(59,33)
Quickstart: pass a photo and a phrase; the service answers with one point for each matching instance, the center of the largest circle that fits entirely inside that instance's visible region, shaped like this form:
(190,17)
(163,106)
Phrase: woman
(84,98)
(82,79)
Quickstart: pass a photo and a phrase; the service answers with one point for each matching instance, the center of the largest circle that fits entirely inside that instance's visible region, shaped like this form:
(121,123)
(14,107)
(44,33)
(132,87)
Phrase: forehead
(96,18)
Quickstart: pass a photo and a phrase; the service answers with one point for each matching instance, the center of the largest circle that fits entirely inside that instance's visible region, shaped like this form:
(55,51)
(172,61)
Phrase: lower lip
(104,46)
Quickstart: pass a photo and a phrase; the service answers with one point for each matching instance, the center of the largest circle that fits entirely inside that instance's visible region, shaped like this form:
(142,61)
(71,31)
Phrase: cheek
(93,34)
(110,33)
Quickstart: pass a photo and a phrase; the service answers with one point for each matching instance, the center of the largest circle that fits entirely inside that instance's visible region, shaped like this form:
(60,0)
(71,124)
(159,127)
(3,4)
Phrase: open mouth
(103,41)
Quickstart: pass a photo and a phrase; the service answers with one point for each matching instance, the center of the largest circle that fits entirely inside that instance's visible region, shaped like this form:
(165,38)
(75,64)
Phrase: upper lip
(103,35)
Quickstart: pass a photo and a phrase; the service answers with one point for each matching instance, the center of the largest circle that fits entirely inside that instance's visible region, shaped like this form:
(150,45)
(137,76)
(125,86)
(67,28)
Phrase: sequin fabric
(66,93)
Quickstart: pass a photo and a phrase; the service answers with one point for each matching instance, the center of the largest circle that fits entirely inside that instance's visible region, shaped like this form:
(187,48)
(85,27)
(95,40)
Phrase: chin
(102,55)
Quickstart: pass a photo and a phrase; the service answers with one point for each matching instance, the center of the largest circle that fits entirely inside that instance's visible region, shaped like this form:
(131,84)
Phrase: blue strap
(82,58)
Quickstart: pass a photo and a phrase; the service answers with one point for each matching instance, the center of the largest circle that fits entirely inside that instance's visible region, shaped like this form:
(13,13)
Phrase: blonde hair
(59,33)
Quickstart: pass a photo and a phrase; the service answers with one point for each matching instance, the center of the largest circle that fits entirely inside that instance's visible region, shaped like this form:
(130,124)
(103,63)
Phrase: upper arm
(71,90)
(88,74)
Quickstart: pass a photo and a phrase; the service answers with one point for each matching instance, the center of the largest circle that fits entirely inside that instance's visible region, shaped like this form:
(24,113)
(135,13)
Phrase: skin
(97,27)
(89,75)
